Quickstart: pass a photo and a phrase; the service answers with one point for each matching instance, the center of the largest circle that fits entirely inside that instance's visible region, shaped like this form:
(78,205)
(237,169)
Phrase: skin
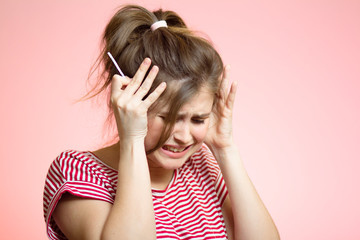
(189,132)
(132,216)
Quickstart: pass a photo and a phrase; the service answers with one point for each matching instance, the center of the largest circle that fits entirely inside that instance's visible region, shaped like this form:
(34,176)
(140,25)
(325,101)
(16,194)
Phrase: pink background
(297,110)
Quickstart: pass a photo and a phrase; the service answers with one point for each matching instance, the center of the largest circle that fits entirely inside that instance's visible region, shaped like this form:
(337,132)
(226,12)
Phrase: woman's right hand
(130,109)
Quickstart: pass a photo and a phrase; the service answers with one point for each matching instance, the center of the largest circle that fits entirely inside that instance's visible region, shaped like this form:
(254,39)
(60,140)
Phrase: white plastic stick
(116,65)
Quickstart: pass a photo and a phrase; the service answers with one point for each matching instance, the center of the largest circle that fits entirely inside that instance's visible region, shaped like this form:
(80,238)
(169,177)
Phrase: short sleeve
(75,173)
(214,172)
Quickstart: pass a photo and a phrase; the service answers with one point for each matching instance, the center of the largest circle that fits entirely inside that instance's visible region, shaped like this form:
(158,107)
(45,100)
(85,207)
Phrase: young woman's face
(188,133)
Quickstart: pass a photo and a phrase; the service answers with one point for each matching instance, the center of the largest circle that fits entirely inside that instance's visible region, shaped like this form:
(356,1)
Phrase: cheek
(199,132)
(155,128)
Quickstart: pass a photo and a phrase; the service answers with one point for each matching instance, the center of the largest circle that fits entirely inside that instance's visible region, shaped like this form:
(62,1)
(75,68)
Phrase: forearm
(251,218)
(132,214)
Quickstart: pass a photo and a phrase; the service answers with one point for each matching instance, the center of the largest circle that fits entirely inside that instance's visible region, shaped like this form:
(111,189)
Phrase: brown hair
(186,62)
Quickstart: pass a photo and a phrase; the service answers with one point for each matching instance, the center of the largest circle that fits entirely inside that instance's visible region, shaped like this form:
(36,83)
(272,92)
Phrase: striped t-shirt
(189,208)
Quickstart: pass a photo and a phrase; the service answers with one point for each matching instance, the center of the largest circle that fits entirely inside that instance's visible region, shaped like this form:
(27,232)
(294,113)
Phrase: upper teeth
(173,149)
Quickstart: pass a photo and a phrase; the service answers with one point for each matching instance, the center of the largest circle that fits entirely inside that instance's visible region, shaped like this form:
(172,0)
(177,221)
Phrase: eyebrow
(203,115)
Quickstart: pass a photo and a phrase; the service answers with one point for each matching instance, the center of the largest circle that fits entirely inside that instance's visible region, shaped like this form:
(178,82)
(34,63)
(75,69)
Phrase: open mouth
(174,149)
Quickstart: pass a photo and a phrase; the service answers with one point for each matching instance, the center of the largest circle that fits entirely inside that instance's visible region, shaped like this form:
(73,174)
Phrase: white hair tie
(158,24)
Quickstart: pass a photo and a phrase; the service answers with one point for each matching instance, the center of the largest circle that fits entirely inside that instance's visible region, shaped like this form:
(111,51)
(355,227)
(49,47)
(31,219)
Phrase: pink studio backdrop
(297,110)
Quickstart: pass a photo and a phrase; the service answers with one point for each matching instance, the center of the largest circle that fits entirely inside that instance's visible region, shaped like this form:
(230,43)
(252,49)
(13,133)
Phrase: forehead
(200,103)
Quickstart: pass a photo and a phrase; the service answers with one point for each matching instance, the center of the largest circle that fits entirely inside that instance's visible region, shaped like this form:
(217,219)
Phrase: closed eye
(198,120)
(162,117)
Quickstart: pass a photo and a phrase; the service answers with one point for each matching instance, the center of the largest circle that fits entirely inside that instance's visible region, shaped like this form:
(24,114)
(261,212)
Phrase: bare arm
(132,215)
(76,221)
(250,218)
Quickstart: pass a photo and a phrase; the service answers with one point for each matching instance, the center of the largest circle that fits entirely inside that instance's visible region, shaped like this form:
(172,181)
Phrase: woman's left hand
(219,135)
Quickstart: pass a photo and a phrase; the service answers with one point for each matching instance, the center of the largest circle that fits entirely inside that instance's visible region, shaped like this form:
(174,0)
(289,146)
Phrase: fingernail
(154,68)
(147,61)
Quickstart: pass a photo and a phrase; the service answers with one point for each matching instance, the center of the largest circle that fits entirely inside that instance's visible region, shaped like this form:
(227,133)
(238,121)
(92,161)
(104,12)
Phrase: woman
(173,117)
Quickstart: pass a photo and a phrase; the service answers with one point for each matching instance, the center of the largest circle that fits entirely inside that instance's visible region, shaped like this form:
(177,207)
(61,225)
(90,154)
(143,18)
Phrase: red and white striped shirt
(189,208)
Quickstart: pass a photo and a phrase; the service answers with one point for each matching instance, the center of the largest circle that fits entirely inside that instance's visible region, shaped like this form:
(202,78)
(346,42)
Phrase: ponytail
(186,62)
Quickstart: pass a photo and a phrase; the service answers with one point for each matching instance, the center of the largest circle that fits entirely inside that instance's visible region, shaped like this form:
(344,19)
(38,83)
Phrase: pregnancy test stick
(116,65)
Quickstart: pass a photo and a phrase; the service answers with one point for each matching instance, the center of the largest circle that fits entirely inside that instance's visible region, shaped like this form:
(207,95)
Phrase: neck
(160,177)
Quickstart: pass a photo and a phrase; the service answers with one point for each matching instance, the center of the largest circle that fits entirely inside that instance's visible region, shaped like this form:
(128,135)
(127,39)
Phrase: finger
(231,97)
(226,77)
(146,85)
(154,95)
(139,76)
(224,82)
(118,83)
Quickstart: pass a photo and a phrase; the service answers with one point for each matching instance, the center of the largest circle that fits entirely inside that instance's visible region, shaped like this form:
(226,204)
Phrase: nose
(182,132)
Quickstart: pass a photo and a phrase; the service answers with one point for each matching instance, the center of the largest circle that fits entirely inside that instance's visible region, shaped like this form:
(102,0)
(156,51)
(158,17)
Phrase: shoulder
(204,161)
(80,174)
(67,158)
(78,170)
(77,165)
(204,157)
(71,156)
(64,166)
